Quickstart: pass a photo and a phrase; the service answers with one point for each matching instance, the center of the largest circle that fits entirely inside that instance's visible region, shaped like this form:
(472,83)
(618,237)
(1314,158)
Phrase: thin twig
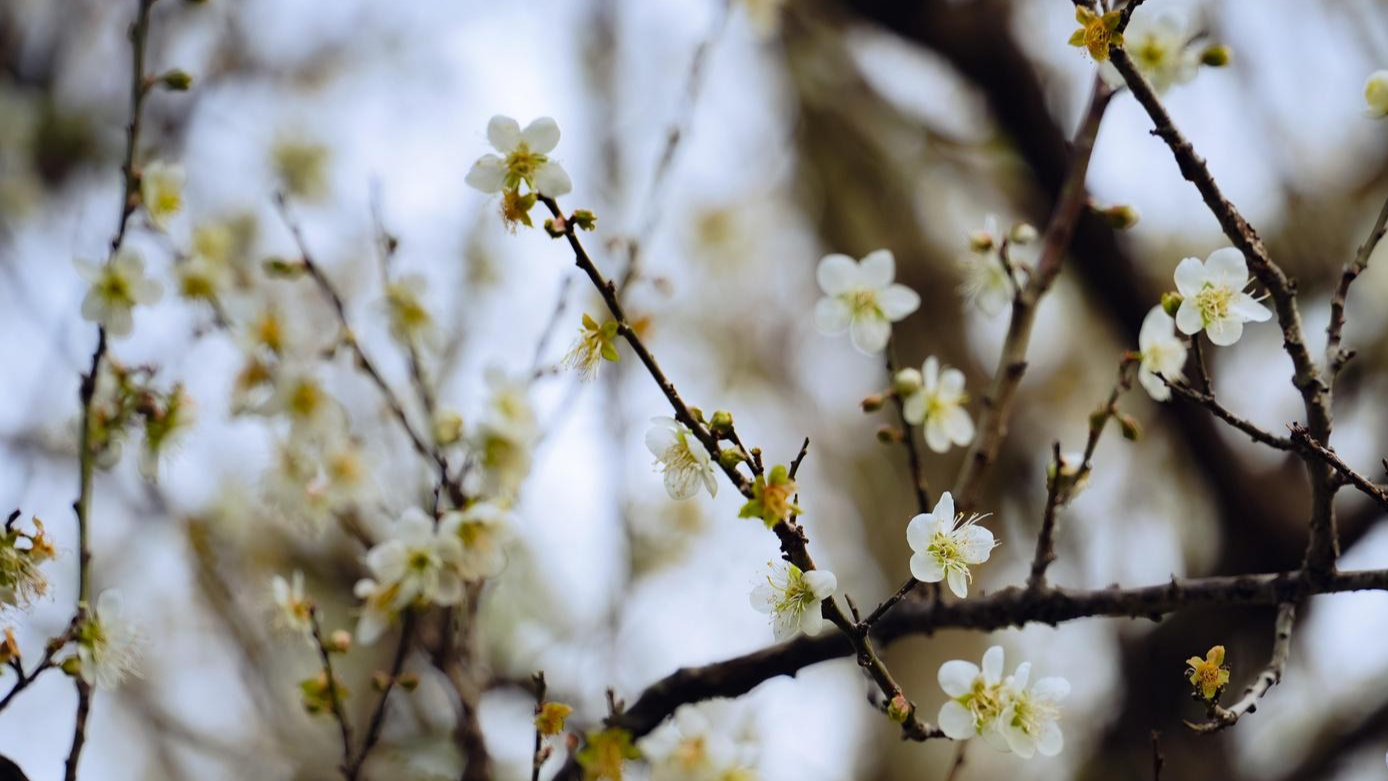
(919,485)
(339,713)
(1302,438)
(1158,759)
(1001,394)
(537,759)
(1208,401)
(1045,540)
(1335,356)
(378,716)
(958,764)
(1223,718)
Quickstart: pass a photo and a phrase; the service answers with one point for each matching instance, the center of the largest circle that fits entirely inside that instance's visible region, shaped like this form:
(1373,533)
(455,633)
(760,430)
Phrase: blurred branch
(335,691)
(1271,675)
(352,767)
(919,485)
(1001,395)
(1335,356)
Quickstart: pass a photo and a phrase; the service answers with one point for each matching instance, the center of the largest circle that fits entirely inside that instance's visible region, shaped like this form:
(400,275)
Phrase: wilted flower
(771,498)
(683,458)
(1097,33)
(597,342)
(109,645)
(293,611)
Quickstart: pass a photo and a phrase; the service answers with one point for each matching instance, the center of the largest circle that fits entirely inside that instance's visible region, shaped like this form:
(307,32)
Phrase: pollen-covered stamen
(522,164)
(1028,714)
(1213,302)
(863,301)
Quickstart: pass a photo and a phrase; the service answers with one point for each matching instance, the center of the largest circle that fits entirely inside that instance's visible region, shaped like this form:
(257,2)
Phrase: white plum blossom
(938,407)
(977,698)
(298,394)
(1163,354)
(506,434)
(988,285)
(117,287)
(109,645)
(293,611)
(704,742)
(792,598)
(945,546)
(1213,297)
(683,458)
(482,528)
(1030,721)
(524,158)
(418,564)
(161,192)
(1376,95)
(862,298)
(1161,48)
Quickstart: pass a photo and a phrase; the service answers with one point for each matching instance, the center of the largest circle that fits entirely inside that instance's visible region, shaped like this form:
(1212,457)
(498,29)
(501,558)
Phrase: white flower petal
(1227,267)
(822,583)
(1190,277)
(878,269)
(488,174)
(812,620)
(832,315)
(957,677)
(504,133)
(975,544)
(898,301)
(542,135)
(870,334)
(1051,690)
(837,274)
(1157,327)
(959,426)
(958,581)
(926,568)
(936,437)
(944,508)
(553,180)
(956,721)
(913,409)
(1225,332)
(1248,308)
(1188,318)
(1153,384)
(918,531)
(993,665)
(1050,742)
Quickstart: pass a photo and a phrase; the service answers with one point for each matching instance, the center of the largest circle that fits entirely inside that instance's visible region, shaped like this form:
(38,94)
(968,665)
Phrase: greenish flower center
(863,302)
(522,165)
(1213,301)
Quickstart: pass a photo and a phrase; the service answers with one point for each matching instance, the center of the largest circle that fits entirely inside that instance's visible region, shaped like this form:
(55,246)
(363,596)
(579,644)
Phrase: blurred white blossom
(938,407)
(116,288)
(1163,353)
(862,298)
(683,458)
(109,645)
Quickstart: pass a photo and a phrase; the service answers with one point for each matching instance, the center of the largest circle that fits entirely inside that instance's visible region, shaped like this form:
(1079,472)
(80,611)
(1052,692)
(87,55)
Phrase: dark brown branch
(1222,718)
(1158,759)
(1323,547)
(335,705)
(1335,356)
(1208,401)
(919,485)
(1045,540)
(46,663)
(1008,608)
(1302,437)
(1001,394)
(378,716)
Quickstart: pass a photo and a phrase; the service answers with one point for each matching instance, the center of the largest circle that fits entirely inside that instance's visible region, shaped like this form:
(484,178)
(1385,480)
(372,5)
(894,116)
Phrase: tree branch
(1222,718)
(1335,356)
(1303,439)
(1208,401)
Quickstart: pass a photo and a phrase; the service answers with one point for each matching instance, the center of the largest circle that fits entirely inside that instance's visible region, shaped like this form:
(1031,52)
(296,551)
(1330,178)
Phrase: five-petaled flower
(862,298)
(482,528)
(549,718)
(938,406)
(792,598)
(1213,297)
(684,459)
(605,753)
(417,565)
(116,288)
(524,158)
(293,610)
(161,192)
(771,498)
(1030,722)
(1161,50)
(1209,676)
(1097,33)
(109,645)
(1163,354)
(977,698)
(946,545)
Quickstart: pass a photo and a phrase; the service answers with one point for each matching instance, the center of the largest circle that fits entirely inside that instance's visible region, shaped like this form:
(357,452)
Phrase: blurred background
(808,127)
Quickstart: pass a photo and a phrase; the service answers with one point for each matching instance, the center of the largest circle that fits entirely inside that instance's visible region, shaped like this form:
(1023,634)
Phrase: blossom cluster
(1011,713)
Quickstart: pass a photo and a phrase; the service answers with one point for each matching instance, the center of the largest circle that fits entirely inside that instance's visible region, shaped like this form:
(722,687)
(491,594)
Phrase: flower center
(1213,302)
(421,561)
(1208,674)
(945,549)
(522,164)
(116,288)
(863,301)
(984,702)
(1097,37)
(1151,51)
(1029,714)
(304,399)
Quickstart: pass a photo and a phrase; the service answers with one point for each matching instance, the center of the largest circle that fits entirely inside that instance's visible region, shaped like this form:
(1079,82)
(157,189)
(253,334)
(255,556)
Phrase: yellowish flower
(550,719)
(1097,33)
(1209,676)
(605,754)
(596,343)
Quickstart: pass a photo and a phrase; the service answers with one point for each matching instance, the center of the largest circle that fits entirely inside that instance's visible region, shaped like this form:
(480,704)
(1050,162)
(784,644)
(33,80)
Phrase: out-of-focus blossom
(117,287)
(862,298)
(938,407)
(1163,354)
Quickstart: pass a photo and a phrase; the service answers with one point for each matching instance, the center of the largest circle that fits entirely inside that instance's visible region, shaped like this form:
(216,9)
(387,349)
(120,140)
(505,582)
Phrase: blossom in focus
(1097,33)
(116,288)
(683,458)
(1209,676)
(945,546)
(1163,354)
(792,598)
(862,298)
(938,407)
(1214,299)
(977,698)
(523,158)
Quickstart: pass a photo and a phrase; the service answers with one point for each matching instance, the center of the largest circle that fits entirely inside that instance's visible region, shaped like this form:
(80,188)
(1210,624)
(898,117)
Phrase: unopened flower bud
(448,427)
(1171,303)
(980,241)
(408,681)
(721,422)
(697,414)
(888,435)
(907,382)
(340,641)
(584,219)
(1022,233)
(899,709)
(871,403)
(730,457)
(1120,217)
(176,80)
(71,666)
(1132,430)
(1216,56)
(380,680)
